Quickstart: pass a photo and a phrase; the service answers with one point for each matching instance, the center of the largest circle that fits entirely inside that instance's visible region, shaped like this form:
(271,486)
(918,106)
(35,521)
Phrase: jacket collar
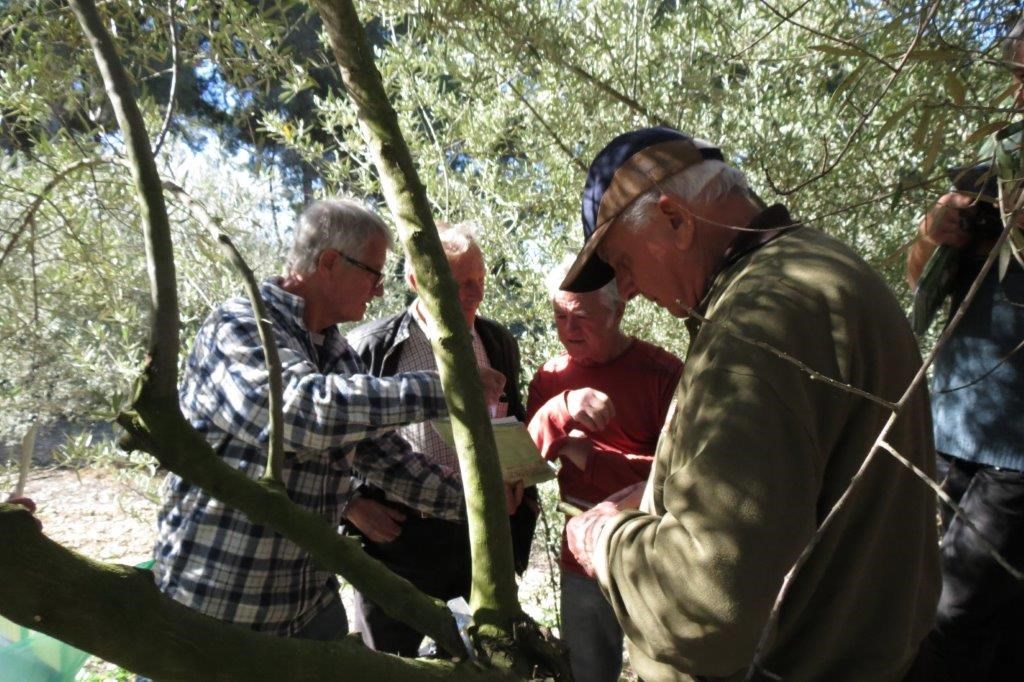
(766,226)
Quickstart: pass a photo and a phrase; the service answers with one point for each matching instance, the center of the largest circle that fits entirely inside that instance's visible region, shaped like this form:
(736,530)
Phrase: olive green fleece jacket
(753,456)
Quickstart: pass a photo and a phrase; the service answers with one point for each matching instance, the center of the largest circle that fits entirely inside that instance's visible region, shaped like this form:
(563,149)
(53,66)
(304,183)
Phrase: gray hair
(704,182)
(456,239)
(341,224)
(609,292)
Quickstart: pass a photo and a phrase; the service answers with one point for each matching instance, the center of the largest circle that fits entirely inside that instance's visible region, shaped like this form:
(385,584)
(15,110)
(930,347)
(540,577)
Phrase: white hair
(456,239)
(704,183)
(341,224)
(609,292)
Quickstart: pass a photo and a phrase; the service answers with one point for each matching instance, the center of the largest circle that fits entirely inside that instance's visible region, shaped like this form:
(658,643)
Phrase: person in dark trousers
(433,553)
(978,410)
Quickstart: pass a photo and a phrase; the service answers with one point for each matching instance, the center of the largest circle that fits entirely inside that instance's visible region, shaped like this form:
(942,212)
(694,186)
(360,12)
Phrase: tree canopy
(848,112)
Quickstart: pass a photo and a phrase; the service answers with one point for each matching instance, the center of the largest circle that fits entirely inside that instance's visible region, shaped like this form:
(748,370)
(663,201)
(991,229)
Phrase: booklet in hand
(520,460)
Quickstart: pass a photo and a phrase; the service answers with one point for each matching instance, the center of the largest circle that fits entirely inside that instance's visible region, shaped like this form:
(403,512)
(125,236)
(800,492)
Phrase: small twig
(896,71)
(957,510)
(898,408)
(788,18)
(549,552)
(1002,361)
(172,95)
(547,128)
(28,446)
(29,214)
(569,509)
(770,31)
(275,453)
(814,374)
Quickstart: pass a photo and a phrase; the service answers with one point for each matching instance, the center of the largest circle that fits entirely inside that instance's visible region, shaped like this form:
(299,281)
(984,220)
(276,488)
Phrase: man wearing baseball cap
(757,450)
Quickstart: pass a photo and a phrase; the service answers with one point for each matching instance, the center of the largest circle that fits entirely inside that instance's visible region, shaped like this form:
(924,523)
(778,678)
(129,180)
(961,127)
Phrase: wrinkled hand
(941,225)
(513,496)
(494,384)
(590,408)
(576,449)
(582,533)
(378,522)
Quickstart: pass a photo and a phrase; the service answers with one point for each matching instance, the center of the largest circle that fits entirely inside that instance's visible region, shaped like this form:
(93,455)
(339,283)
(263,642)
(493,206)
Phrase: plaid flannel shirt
(337,419)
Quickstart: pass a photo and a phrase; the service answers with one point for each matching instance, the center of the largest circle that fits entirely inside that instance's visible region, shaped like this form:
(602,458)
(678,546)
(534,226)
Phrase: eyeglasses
(377,274)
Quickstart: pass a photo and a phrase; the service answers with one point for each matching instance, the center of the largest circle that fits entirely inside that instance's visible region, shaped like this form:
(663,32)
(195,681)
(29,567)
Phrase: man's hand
(27,503)
(590,408)
(513,496)
(377,521)
(577,449)
(24,502)
(582,533)
(494,384)
(941,225)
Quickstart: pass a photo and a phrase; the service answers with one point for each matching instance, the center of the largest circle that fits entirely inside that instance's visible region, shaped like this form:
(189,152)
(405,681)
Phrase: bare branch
(770,31)
(173,94)
(813,374)
(867,114)
(275,453)
(788,18)
(957,510)
(162,369)
(29,215)
(915,383)
(547,128)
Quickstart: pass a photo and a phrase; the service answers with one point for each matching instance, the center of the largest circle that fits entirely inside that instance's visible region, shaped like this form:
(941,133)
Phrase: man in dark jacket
(433,553)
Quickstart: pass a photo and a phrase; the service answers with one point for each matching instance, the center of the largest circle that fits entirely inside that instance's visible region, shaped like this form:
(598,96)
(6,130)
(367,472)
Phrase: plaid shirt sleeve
(321,411)
(389,463)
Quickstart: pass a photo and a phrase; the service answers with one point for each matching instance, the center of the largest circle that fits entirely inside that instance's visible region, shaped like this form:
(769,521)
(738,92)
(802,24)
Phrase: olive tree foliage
(850,113)
(73,291)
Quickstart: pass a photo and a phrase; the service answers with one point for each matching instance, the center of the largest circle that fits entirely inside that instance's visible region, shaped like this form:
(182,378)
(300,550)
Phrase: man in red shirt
(599,407)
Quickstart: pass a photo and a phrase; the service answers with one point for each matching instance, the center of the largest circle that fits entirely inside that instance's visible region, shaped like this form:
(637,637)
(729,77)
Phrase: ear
(682,220)
(410,281)
(326,259)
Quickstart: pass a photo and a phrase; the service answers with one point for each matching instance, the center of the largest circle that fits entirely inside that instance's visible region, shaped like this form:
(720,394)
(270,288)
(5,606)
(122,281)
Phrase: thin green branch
(162,369)
(275,452)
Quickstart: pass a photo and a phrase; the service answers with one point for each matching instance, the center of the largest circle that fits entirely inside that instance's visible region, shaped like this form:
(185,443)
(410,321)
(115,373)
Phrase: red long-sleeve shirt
(640,383)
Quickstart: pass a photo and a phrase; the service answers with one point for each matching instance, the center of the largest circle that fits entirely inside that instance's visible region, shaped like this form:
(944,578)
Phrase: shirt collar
(418,313)
(291,308)
(766,226)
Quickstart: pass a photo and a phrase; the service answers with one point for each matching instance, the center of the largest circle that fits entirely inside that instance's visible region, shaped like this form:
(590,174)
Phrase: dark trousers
(979,627)
(431,554)
(434,556)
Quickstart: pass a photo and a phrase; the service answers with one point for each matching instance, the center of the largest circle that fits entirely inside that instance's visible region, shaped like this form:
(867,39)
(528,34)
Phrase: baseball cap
(624,170)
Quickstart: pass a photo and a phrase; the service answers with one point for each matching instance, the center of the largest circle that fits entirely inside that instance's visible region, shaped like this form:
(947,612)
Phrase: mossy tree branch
(161,374)
(157,425)
(494,595)
(120,615)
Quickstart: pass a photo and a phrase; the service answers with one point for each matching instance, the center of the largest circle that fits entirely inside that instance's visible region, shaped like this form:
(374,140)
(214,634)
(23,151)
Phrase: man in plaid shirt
(337,420)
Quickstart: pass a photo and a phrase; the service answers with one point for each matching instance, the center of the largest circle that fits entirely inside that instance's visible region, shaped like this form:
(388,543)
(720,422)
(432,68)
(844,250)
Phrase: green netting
(30,656)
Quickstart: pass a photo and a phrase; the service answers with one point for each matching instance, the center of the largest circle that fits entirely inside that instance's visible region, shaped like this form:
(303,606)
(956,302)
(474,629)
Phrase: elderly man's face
(350,288)
(587,326)
(470,276)
(656,262)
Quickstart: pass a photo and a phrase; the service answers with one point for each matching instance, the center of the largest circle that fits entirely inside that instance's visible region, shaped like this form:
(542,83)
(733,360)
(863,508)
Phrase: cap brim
(589,271)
